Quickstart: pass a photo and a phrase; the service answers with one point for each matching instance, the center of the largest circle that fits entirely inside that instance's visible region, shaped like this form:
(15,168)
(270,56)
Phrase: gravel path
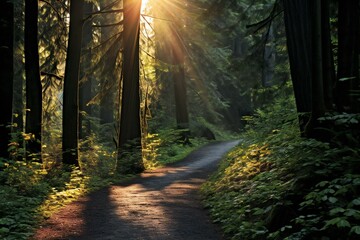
(162,204)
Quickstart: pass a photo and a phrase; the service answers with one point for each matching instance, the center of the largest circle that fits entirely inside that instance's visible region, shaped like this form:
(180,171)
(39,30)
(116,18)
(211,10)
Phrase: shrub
(277,185)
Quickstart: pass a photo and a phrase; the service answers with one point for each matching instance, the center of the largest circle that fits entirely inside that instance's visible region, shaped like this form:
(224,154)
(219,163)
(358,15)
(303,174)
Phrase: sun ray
(144,5)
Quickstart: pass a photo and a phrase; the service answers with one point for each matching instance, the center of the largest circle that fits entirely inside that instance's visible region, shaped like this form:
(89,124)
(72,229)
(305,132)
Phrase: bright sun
(144,4)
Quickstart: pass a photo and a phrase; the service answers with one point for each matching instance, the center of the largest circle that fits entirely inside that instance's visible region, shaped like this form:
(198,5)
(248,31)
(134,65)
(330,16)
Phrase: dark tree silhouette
(71,85)
(33,82)
(348,56)
(297,14)
(6,73)
(130,128)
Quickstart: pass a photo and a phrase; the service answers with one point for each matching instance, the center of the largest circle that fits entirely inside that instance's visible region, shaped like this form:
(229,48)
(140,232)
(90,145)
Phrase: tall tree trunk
(33,82)
(86,84)
(19,70)
(318,104)
(298,35)
(328,57)
(71,85)
(6,73)
(269,58)
(348,58)
(107,105)
(182,116)
(178,73)
(317,99)
(130,129)
(165,83)
(180,92)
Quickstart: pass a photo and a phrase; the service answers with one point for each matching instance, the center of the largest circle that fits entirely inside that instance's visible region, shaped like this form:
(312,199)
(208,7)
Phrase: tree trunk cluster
(318,90)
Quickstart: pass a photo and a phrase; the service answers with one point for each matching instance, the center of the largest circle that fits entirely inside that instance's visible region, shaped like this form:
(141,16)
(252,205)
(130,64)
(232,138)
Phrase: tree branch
(51,75)
(91,14)
(109,25)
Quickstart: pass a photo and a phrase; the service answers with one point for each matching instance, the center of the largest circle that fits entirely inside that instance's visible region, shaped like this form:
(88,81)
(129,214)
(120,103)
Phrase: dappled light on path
(159,204)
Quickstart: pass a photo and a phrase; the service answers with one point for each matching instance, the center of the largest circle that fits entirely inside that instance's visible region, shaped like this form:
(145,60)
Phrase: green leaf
(336,210)
(339,222)
(355,229)
(352,212)
(346,79)
(356,181)
(258,211)
(332,199)
(343,223)
(4,230)
(356,201)
(323,183)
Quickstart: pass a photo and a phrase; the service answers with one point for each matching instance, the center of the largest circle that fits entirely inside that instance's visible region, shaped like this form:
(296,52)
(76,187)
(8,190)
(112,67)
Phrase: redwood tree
(175,56)
(297,15)
(85,84)
(6,73)
(348,55)
(180,91)
(71,85)
(317,80)
(107,105)
(33,82)
(130,128)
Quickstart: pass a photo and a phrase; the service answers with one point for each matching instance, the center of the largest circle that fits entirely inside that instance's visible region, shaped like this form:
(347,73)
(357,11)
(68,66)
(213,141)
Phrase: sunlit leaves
(307,184)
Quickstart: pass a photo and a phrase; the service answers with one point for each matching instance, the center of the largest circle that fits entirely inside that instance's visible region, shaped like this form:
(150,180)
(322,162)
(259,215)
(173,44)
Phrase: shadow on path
(159,204)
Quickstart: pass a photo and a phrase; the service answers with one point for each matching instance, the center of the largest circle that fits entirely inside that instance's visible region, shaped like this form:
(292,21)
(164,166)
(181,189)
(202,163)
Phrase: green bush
(277,185)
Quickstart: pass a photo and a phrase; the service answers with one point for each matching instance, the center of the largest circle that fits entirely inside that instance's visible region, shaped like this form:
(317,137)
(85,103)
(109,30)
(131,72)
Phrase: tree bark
(348,56)
(71,85)
(328,56)
(298,35)
(269,59)
(19,71)
(33,82)
(107,105)
(6,74)
(86,82)
(317,86)
(182,116)
(130,129)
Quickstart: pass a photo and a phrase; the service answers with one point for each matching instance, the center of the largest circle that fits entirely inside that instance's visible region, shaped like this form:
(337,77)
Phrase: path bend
(162,204)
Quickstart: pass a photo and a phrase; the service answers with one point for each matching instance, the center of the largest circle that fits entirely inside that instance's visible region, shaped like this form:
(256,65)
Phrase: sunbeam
(144,5)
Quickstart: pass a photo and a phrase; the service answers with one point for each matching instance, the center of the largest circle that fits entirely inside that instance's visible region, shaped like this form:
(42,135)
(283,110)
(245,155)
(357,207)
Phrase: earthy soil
(159,204)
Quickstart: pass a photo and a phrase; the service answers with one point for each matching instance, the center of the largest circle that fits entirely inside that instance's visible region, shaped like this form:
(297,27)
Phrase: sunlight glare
(144,4)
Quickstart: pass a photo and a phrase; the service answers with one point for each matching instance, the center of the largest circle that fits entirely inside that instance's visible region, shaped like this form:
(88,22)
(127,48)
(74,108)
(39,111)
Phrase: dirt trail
(162,204)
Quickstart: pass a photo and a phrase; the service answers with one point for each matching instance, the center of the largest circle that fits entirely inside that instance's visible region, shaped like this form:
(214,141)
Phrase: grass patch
(165,148)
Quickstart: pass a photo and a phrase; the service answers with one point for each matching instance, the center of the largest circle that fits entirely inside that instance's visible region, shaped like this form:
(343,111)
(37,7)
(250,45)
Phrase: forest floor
(161,204)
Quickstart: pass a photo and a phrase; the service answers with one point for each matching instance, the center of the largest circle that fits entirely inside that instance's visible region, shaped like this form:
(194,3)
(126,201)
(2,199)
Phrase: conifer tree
(33,81)
(130,128)
(6,73)
(71,85)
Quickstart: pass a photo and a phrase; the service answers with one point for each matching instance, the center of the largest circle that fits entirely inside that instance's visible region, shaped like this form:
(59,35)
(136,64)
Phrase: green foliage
(130,158)
(97,158)
(164,148)
(32,191)
(21,190)
(277,185)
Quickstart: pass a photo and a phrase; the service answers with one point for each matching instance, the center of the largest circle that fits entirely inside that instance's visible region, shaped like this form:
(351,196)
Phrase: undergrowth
(164,148)
(30,192)
(277,185)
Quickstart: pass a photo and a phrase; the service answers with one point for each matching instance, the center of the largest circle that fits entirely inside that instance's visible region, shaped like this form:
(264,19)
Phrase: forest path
(162,204)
